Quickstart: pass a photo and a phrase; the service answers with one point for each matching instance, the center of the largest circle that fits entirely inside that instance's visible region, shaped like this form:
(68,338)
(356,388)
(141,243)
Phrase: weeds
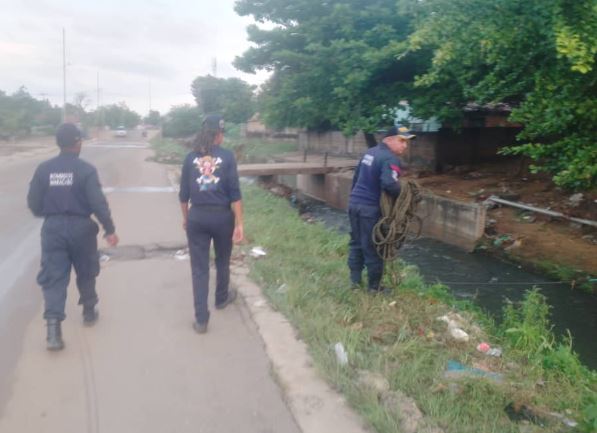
(399,337)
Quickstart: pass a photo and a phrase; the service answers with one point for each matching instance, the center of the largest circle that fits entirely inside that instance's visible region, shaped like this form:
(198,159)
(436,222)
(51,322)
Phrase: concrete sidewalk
(142,368)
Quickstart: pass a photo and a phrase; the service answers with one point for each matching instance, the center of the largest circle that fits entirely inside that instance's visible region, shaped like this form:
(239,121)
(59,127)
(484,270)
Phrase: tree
(335,64)
(538,55)
(20,113)
(116,115)
(232,97)
(153,118)
(182,121)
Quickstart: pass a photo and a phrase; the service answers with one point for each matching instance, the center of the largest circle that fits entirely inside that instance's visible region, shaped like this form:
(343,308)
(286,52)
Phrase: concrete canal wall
(450,221)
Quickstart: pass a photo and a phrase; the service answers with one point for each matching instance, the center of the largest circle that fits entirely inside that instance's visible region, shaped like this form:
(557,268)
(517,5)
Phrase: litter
(459,335)
(341,355)
(282,289)
(104,258)
(456,370)
(483,347)
(488,350)
(181,255)
(392,304)
(257,252)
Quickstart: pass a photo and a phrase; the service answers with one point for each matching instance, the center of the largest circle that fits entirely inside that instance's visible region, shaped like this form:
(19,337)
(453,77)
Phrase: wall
(457,223)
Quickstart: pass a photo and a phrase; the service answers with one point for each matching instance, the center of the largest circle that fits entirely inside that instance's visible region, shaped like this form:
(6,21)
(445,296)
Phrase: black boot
(54,338)
(90,315)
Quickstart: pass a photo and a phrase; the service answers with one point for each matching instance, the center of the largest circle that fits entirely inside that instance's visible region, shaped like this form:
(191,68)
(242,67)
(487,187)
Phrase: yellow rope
(397,216)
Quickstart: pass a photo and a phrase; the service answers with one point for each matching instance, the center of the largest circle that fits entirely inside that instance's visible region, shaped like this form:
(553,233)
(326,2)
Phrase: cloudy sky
(135,45)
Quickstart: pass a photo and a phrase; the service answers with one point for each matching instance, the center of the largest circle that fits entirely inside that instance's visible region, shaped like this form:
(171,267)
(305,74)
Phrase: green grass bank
(398,338)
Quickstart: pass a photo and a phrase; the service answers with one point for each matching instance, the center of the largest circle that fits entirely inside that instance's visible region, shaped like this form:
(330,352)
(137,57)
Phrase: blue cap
(68,135)
(400,131)
(213,122)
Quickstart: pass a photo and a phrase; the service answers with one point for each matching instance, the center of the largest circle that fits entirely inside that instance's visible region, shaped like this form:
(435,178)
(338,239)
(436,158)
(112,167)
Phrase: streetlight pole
(64,75)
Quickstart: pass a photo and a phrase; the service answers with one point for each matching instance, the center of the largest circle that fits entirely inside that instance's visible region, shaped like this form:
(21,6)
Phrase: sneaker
(231,297)
(90,316)
(200,328)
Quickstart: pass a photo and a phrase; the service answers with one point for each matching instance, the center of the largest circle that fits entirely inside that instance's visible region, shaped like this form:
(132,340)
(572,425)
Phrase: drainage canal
(489,281)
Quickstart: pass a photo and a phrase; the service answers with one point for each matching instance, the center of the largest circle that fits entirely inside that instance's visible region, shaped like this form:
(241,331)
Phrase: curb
(316,407)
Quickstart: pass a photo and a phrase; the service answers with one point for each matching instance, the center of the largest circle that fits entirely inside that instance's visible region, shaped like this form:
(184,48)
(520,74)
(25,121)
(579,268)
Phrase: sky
(138,47)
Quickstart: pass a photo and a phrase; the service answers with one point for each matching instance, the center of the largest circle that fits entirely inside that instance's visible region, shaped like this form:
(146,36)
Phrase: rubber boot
(54,339)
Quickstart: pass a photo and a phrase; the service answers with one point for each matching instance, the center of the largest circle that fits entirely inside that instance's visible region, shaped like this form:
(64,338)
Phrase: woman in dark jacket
(209,183)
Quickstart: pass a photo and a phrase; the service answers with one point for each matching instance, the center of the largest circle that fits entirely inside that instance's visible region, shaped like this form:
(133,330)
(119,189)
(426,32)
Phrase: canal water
(489,281)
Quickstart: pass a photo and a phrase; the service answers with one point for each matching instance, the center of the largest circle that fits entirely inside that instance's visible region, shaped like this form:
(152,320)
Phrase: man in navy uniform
(378,171)
(209,183)
(66,191)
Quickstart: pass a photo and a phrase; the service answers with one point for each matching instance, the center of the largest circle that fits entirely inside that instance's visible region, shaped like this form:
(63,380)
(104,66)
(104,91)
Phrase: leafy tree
(538,55)
(232,97)
(116,115)
(20,113)
(153,118)
(182,121)
(335,64)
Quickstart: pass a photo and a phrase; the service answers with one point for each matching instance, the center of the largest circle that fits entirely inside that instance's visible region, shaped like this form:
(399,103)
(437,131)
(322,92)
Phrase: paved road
(142,368)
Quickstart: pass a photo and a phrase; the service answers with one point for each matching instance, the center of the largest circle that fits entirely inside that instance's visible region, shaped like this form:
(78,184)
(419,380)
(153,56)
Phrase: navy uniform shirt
(209,180)
(378,170)
(67,185)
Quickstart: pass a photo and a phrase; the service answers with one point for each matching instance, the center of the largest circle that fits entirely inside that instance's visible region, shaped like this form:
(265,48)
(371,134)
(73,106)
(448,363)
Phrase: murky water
(488,282)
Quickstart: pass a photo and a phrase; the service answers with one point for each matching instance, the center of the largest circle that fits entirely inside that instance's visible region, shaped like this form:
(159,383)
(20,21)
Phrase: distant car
(120,132)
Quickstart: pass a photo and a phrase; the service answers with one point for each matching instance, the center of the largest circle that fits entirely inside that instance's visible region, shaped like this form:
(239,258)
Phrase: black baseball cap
(68,135)
(401,131)
(213,122)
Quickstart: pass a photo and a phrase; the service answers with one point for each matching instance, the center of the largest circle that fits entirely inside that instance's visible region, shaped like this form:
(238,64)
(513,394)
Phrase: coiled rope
(397,217)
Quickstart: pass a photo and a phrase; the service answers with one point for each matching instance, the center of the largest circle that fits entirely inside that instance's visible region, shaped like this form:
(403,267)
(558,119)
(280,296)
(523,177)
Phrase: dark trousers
(204,226)
(362,251)
(68,241)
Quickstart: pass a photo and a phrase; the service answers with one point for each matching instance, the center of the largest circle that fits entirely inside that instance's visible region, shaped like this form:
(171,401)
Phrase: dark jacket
(378,171)
(67,185)
(210,180)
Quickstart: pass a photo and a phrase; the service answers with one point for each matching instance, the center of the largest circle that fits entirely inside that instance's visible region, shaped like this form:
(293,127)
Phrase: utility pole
(98,93)
(149,97)
(64,74)
(214,66)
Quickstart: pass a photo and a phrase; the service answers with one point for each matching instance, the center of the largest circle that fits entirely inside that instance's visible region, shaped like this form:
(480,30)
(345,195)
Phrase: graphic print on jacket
(207,166)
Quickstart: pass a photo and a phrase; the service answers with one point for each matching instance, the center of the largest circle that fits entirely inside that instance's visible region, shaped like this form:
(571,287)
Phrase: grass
(403,341)
(172,151)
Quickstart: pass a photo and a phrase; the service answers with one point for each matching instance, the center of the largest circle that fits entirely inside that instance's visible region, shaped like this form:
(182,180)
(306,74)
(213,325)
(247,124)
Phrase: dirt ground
(542,240)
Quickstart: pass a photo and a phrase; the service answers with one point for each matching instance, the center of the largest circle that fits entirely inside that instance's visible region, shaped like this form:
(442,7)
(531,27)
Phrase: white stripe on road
(118,146)
(110,189)
(19,260)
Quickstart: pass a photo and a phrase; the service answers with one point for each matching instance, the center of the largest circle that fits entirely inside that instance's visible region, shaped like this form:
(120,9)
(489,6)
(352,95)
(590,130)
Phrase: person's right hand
(112,239)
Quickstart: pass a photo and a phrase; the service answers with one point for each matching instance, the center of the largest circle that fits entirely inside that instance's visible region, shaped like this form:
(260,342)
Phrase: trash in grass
(488,350)
(282,289)
(341,355)
(456,370)
(459,335)
(257,252)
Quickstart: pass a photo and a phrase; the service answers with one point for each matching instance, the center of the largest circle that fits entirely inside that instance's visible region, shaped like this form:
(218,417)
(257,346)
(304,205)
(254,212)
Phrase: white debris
(260,303)
(282,289)
(181,255)
(341,355)
(104,258)
(459,335)
(257,252)
(495,351)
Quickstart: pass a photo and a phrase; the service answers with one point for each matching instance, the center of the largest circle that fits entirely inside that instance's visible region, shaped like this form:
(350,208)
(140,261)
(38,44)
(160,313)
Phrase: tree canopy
(20,113)
(346,64)
(231,97)
(182,121)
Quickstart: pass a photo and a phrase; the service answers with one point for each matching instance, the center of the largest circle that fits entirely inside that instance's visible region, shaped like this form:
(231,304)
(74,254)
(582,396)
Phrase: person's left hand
(239,234)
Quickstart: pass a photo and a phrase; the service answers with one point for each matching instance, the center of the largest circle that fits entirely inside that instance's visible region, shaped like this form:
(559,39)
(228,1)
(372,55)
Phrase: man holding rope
(378,171)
